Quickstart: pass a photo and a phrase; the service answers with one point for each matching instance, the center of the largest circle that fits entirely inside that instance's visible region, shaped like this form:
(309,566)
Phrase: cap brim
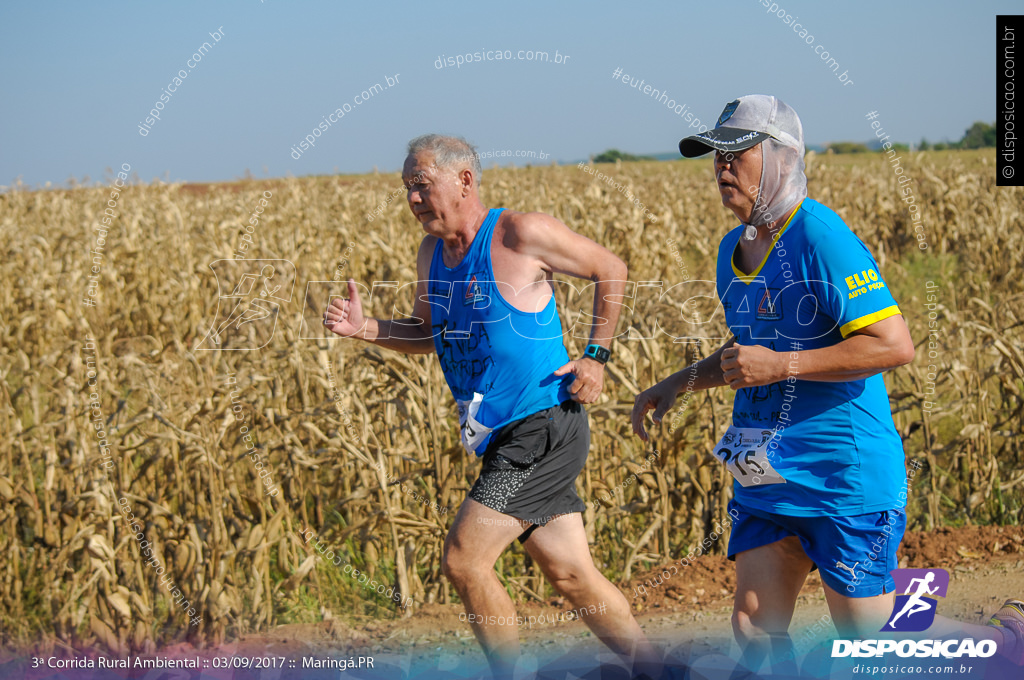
(720,139)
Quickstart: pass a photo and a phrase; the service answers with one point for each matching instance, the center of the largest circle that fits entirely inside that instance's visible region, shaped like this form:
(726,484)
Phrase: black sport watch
(597,353)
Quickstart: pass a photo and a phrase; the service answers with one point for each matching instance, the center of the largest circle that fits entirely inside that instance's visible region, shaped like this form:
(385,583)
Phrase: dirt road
(687,615)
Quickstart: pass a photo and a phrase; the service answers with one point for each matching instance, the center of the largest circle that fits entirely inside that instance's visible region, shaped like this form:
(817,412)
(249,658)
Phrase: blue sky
(79,78)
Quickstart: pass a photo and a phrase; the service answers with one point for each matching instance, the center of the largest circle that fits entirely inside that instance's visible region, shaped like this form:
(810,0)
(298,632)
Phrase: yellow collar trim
(747,278)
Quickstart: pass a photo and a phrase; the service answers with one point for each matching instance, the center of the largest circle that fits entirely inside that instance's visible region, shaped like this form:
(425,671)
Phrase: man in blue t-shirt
(818,465)
(817,286)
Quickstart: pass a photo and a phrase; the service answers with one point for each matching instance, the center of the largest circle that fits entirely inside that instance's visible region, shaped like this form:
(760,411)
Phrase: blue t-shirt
(835,444)
(489,350)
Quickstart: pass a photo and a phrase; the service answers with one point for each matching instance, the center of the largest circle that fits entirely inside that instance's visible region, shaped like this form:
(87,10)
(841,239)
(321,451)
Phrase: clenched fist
(752,366)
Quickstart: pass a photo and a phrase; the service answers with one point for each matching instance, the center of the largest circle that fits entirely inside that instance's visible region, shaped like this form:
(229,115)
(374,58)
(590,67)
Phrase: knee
(452,567)
(459,567)
(569,581)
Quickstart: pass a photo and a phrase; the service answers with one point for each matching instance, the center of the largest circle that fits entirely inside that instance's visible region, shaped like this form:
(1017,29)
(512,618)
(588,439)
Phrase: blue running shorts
(854,554)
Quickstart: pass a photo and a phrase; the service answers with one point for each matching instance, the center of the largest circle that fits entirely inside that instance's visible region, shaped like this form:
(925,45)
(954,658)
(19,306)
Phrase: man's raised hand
(344,317)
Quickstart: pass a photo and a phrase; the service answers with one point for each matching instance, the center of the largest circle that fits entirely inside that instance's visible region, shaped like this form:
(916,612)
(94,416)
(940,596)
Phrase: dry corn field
(363,443)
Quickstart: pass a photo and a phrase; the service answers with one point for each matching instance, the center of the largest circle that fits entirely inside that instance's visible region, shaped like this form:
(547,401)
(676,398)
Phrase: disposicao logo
(914,610)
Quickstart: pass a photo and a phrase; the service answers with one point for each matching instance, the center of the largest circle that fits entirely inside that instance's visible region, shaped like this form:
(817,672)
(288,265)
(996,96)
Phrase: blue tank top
(498,361)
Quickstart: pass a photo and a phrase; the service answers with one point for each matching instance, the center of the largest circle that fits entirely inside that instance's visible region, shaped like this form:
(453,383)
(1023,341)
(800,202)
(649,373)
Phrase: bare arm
(879,347)
(560,250)
(702,375)
(873,349)
(410,336)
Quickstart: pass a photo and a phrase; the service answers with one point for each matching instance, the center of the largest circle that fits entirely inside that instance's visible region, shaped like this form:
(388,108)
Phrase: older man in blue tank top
(485,304)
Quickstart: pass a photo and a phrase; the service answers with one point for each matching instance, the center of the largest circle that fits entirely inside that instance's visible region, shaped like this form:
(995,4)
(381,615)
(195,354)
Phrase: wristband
(597,353)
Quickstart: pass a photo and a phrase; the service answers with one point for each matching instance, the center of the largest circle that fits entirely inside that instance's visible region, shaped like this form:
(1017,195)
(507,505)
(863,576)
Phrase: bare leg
(560,548)
(858,617)
(477,538)
(768,581)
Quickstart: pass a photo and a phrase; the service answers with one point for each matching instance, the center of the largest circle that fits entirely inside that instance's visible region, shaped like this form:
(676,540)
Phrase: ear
(467,180)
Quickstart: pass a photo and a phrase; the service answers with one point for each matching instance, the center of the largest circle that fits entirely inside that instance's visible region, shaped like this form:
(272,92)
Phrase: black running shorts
(530,466)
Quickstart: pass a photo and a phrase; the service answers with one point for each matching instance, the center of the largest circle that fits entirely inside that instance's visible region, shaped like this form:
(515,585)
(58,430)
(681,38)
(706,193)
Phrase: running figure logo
(914,610)
(252,306)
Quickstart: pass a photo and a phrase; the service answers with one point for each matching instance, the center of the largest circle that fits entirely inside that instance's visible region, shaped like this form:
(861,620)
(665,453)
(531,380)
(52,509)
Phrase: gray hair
(450,153)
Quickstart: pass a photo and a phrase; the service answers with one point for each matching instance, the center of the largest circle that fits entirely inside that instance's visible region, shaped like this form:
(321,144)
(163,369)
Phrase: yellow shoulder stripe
(869,319)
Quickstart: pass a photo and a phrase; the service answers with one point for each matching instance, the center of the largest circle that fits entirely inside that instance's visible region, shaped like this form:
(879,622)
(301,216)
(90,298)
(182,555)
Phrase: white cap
(751,120)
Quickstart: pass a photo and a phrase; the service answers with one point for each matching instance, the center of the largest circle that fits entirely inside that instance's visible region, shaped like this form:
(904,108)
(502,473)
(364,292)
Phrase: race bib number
(473,433)
(744,450)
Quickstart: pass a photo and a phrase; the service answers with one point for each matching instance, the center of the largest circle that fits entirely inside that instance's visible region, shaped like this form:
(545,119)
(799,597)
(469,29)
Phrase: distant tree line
(612,155)
(978,136)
